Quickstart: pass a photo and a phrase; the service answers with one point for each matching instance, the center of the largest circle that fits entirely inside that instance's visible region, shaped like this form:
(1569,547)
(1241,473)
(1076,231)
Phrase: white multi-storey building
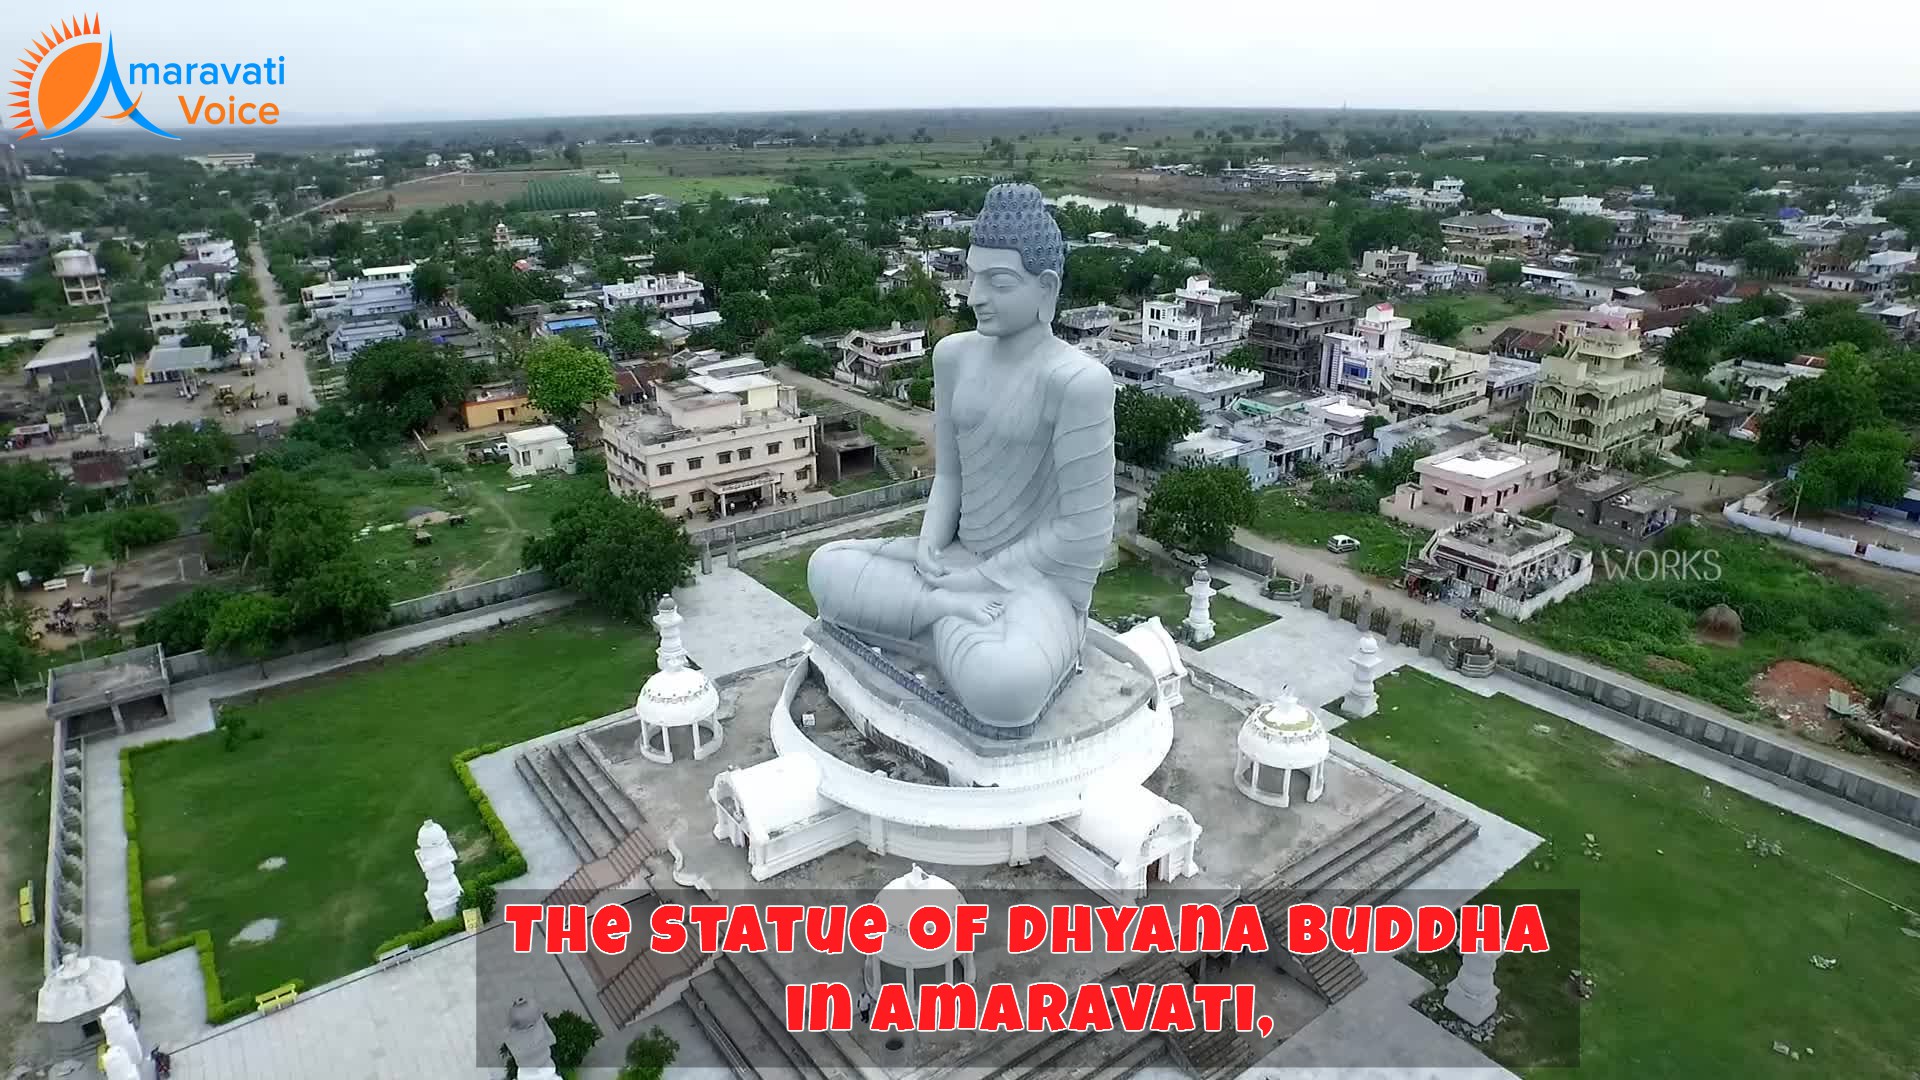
(665,293)
(721,445)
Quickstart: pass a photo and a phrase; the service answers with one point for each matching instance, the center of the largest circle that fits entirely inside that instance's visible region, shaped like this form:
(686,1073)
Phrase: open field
(1385,545)
(785,572)
(25,779)
(498,187)
(1789,609)
(1133,588)
(1696,932)
(338,779)
(1477,309)
(487,546)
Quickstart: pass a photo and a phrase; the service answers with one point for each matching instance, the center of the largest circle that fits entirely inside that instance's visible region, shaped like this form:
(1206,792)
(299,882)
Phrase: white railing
(1523,609)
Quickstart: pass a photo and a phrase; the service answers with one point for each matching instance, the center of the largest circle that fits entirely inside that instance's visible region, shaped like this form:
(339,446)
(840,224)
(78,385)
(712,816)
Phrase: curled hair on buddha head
(1015,217)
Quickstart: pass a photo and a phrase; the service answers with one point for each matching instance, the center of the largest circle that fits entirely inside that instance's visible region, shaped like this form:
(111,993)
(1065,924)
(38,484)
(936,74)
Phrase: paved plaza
(418,1018)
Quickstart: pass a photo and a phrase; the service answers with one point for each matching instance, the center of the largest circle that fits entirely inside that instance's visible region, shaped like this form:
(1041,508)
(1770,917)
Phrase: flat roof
(530,436)
(180,358)
(64,349)
(1480,464)
(732,384)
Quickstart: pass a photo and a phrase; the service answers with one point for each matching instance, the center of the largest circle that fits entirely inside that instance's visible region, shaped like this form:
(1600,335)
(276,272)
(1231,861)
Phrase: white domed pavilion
(1280,738)
(677,698)
(899,959)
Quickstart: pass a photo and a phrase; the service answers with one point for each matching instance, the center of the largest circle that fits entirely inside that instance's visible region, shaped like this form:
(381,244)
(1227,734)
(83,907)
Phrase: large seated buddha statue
(995,590)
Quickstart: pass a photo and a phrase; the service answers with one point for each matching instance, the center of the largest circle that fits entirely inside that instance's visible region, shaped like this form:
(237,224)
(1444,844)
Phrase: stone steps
(1318,869)
(1332,973)
(626,861)
(639,984)
(832,1052)
(1397,864)
(615,810)
(1215,1055)
(543,793)
(1045,1055)
(744,1030)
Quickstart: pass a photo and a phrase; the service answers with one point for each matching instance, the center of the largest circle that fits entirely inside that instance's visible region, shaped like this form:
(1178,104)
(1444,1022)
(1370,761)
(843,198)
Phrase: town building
(351,335)
(401,273)
(1210,387)
(1880,272)
(176,363)
(1289,330)
(1142,365)
(1510,381)
(1591,205)
(1616,508)
(1477,232)
(1758,383)
(1479,475)
(1084,323)
(80,278)
(1672,236)
(172,318)
(1433,432)
(1502,553)
(1678,414)
(322,301)
(875,359)
(499,403)
(1901,320)
(1437,379)
(1216,445)
(66,360)
(539,449)
(1519,343)
(666,293)
(720,445)
(1358,361)
(1195,314)
(1391,262)
(1600,399)
(368,297)
(1526,226)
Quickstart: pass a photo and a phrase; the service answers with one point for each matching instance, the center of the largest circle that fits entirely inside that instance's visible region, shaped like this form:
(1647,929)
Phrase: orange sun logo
(58,76)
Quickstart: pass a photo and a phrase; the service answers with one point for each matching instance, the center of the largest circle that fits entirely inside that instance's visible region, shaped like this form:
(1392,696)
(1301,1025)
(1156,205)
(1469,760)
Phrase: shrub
(573,1038)
(479,897)
(649,1056)
(140,526)
(423,937)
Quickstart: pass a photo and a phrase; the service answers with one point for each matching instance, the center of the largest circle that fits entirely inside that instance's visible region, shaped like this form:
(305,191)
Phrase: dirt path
(496,501)
(918,421)
(287,366)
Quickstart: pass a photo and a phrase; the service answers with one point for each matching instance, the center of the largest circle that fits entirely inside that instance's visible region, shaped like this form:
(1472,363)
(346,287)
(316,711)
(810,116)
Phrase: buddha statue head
(1016,261)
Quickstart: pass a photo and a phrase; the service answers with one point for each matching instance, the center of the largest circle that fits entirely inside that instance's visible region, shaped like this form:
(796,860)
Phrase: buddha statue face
(1005,297)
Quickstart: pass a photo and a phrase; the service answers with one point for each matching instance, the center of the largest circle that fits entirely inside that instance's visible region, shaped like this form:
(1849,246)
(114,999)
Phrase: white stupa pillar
(434,852)
(1201,592)
(1360,699)
(119,1031)
(119,1066)
(530,1041)
(1471,995)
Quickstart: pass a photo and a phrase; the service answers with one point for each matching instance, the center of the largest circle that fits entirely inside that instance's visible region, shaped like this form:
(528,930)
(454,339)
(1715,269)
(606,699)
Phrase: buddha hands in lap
(995,589)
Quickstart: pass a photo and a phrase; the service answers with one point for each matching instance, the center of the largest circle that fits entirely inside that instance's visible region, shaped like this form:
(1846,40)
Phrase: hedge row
(219,1008)
(512,863)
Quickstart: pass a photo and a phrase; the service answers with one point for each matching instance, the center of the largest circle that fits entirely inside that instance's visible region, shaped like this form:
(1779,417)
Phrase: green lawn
(785,572)
(1477,309)
(1720,454)
(488,546)
(1384,543)
(1788,610)
(23,801)
(339,779)
(866,481)
(1698,946)
(1134,588)
(888,436)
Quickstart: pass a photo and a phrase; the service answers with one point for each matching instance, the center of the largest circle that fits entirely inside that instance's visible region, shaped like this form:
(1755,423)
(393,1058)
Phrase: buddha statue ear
(1049,281)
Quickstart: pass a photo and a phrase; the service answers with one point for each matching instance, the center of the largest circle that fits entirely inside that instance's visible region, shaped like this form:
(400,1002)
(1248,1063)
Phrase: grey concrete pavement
(734,622)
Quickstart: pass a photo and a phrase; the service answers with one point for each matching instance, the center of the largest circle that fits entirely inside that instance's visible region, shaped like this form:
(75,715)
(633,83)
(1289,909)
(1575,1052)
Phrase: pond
(1146,214)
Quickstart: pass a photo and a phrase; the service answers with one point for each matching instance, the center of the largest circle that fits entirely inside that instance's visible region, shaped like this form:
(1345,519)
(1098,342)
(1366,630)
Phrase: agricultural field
(566,193)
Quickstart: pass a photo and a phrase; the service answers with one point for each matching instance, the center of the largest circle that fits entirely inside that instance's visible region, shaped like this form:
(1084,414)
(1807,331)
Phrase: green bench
(277,998)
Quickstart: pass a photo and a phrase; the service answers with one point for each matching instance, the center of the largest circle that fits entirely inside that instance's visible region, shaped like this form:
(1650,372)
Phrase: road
(918,421)
(288,372)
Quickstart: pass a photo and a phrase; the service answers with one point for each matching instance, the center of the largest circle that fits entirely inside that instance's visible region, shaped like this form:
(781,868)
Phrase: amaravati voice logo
(65,79)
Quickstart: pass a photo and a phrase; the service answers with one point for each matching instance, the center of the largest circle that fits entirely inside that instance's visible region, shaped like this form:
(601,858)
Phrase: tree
(181,626)
(1825,410)
(631,331)
(565,379)
(123,341)
(1869,466)
(1585,232)
(620,554)
(1146,425)
(1242,358)
(1503,272)
(649,1056)
(1764,258)
(40,551)
(1737,235)
(304,538)
(404,384)
(214,337)
(242,519)
(140,526)
(807,359)
(920,392)
(191,453)
(341,600)
(431,281)
(26,486)
(1439,322)
(1196,508)
(251,625)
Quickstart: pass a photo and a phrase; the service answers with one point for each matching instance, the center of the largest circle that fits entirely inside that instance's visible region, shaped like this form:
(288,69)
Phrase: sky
(399,60)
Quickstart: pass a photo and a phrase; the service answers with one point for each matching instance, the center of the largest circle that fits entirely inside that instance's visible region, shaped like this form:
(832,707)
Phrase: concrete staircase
(635,987)
(1367,862)
(741,1005)
(572,784)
